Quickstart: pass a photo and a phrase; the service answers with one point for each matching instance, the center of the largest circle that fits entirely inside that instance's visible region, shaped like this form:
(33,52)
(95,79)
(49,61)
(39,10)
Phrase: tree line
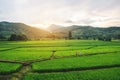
(69,36)
(19,37)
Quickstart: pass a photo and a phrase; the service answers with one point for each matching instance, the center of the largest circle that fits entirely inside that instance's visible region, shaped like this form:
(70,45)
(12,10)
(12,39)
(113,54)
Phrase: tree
(108,38)
(2,37)
(105,38)
(13,37)
(70,35)
(20,37)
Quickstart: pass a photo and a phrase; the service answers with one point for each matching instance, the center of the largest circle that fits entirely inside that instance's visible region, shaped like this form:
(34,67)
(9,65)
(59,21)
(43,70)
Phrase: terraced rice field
(104,74)
(6,68)
(77,63)
(60,60)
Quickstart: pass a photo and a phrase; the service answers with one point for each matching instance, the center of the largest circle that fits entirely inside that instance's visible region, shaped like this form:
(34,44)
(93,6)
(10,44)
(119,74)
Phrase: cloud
(69,21)
(89,12)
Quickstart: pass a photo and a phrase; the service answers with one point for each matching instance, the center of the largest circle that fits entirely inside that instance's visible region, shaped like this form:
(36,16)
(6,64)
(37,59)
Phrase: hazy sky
(99,13)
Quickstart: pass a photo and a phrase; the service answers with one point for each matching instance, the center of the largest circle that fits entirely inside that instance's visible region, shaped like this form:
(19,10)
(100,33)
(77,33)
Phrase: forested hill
(8,28)
(58,32)
(86,32)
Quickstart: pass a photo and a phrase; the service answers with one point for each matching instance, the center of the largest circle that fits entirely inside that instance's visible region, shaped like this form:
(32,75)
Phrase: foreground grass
(104,74)
(66,64)
(32,50)
(6,68)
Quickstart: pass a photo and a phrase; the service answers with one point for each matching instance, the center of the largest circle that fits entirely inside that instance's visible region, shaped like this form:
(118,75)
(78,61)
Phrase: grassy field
(75,63)
(105,74)
(91,55)
(6,68)
(31,50)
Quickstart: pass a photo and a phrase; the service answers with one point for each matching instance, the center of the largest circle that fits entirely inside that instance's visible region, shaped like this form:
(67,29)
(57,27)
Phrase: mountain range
(56,31)
(86,32)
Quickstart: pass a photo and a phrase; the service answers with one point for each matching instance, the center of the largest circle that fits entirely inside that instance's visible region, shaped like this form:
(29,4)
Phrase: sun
(39,25)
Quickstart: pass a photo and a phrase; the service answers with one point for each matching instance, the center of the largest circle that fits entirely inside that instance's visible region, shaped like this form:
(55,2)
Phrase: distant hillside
(87,32)
(58,32)
(54,27)
(8,28)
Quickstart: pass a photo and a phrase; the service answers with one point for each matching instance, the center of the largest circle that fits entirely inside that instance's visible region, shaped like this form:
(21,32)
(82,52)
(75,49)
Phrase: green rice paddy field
(72,60)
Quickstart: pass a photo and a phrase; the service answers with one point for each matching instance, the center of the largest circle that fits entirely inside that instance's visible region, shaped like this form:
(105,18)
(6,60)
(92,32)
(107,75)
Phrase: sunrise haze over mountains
(42,13)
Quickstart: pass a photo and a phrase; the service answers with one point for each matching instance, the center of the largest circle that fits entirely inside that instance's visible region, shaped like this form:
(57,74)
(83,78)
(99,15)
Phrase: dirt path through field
(21,73)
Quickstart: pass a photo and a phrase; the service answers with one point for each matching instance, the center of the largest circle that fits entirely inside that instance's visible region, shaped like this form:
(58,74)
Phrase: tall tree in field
(70,34)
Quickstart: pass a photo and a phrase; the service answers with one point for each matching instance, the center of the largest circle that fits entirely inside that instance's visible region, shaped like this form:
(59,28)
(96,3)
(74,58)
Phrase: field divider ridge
(77,69)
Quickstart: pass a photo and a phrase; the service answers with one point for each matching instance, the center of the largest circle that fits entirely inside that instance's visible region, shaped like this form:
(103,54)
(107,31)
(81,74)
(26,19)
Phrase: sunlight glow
(42,13)
(43,26)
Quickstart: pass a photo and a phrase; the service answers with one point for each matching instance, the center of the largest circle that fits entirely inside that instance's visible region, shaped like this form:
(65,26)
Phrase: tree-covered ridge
(8,28)
(87,32)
